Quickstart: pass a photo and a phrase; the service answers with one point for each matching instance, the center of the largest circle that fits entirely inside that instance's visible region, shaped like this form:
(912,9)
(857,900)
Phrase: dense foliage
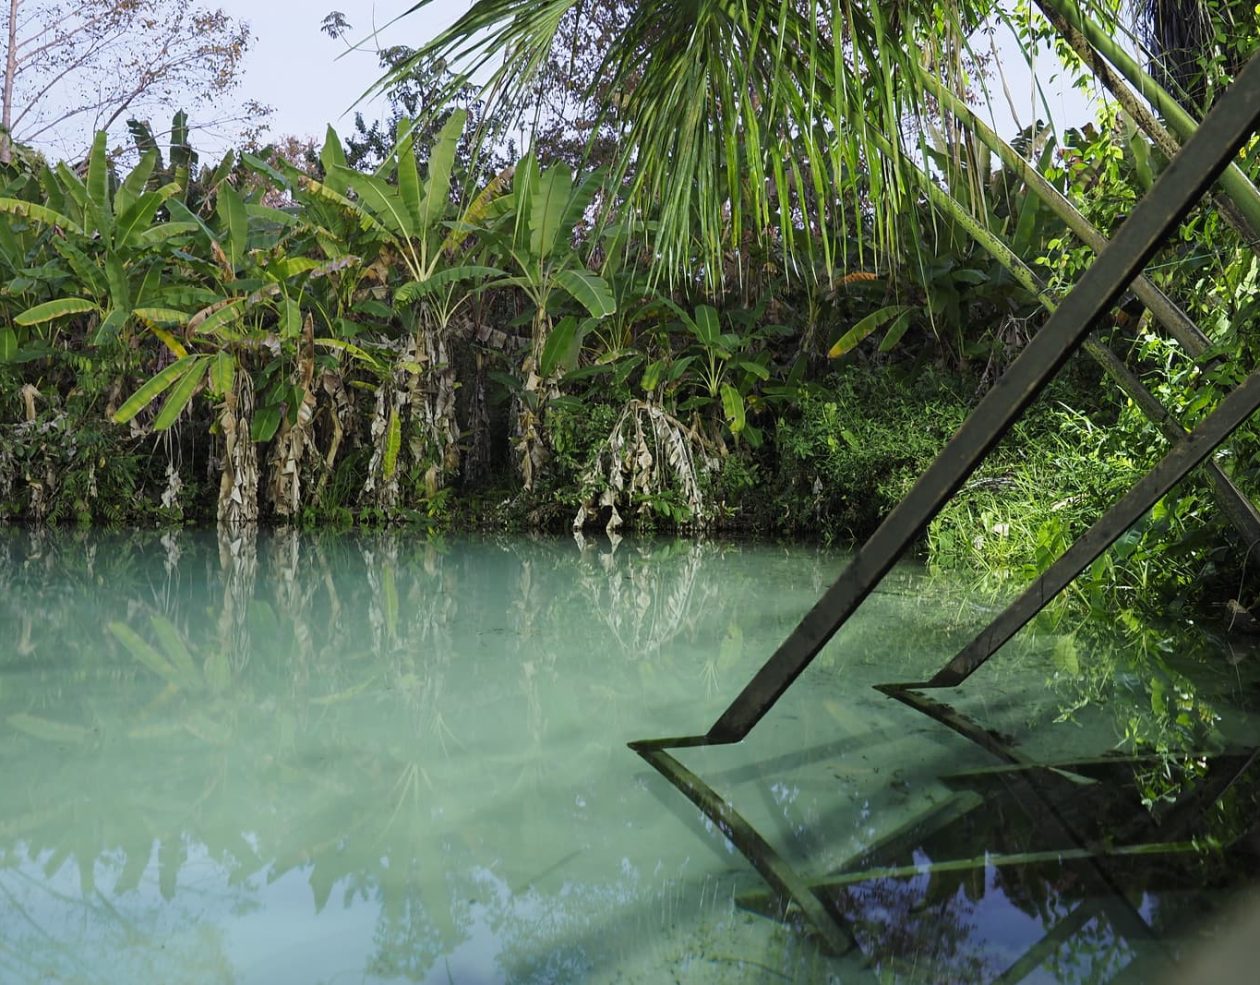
(391,330)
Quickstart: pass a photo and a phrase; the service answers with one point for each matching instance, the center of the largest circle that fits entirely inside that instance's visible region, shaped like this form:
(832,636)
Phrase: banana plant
(408,217)
(534,230)
(180,166)
(107,239)
(715,370)
(250,329)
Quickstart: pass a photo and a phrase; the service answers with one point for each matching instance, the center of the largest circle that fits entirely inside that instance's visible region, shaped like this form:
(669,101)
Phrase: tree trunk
(238,486)
(10,74)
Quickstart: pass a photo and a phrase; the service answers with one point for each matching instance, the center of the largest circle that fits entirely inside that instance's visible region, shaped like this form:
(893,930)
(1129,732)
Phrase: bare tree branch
(71,63)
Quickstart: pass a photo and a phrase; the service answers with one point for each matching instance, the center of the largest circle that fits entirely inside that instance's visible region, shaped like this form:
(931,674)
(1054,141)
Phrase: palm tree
(741,117)
(735,117)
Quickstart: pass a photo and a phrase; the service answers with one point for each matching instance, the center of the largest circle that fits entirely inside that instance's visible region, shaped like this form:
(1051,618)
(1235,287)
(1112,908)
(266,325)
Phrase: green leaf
(266,422)
(292,266)
(895,331)
(98,183)
(969,276)
(756,369)
(139,216)
(733,408)
(290,319)
(72,185)
(261,167)
(437,188)
(134,184)
(679,367)
(589,290)
(149,285)
(222,374)
(560,351)
(854,336)
(555,185)
(377,200)
(151,388)
(163,316)
(393,442)
(114,320)
(417,289)
(39,213)
(212,180)
(332,157)
(182,392)
(652,375)
(54,309)
(407,173)
(215,316)
(8,344)
(1142,159)
(155,235)
(235,222)
(707,326)
(524,186)
(279,216)
(119,288)
(182,213)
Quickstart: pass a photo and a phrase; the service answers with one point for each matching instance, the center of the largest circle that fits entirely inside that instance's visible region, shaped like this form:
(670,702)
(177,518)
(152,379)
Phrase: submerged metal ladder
(1188,176)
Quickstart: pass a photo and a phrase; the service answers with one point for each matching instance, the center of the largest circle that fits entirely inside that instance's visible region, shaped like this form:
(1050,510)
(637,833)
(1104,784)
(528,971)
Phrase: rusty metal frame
(1188,176)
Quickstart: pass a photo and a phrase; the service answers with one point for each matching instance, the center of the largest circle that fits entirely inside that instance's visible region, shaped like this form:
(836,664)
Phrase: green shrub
(855,445)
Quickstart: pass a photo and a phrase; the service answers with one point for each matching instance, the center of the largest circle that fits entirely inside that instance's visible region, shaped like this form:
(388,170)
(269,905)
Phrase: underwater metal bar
(1226,128)
(1030,793)
(781,876)
(1233,411)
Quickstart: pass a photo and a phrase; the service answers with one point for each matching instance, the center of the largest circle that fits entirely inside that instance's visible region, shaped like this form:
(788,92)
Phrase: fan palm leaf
(738,117)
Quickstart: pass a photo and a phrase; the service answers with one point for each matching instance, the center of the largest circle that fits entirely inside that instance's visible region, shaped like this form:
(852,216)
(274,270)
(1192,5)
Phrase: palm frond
(738,118)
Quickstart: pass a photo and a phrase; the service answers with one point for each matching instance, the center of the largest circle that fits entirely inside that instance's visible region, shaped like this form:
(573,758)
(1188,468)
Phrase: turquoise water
(391,759)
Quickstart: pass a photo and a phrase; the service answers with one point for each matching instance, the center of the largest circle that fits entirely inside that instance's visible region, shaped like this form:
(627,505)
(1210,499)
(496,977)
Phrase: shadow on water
(382,758)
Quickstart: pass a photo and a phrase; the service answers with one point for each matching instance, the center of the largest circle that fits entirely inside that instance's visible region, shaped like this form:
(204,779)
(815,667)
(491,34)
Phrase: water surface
(385,758)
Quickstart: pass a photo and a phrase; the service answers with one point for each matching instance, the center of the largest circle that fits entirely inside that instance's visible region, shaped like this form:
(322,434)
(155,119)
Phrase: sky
(311,80)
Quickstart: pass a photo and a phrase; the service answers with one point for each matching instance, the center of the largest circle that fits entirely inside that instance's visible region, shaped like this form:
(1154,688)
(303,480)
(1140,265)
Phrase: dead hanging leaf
(648,452)
(28,394)
(225,265)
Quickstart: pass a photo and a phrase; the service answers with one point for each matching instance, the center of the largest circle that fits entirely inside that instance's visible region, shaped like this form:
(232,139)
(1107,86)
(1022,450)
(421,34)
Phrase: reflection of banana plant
(534,230)
(172,661)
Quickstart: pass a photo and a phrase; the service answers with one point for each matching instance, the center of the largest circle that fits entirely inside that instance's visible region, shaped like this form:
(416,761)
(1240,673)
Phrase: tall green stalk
(1166,311)
(1089,40)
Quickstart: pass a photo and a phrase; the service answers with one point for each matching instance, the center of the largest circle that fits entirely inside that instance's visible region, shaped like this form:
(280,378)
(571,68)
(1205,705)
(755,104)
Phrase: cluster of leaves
(337,334)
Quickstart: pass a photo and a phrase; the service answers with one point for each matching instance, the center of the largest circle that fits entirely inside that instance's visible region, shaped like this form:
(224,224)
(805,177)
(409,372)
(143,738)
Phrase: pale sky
(294,67)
